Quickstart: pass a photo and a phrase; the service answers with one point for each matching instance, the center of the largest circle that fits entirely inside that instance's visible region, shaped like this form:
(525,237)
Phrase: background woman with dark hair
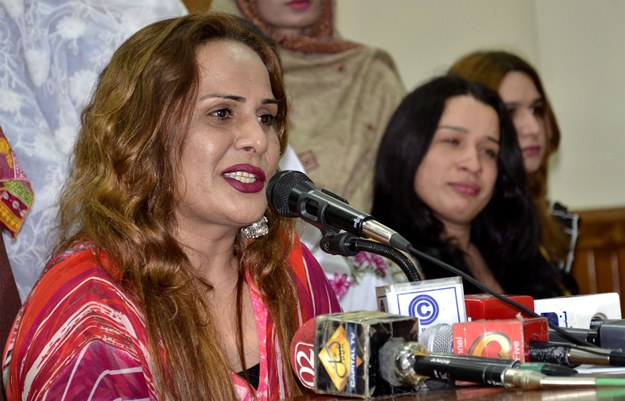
(172,279)
(521,89)
(449,177)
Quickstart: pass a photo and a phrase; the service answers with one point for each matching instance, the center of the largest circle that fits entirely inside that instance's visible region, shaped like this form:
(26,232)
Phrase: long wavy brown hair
(120,196)
(489,68)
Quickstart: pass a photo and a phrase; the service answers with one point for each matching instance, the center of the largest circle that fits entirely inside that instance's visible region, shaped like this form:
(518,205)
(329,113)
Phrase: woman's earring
(256,230)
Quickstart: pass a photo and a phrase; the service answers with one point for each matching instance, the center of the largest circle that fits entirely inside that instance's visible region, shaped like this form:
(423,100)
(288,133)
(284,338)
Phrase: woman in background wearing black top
(450,178)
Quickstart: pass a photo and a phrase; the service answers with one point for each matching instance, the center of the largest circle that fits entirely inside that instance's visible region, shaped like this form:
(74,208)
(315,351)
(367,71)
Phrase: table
(493,393)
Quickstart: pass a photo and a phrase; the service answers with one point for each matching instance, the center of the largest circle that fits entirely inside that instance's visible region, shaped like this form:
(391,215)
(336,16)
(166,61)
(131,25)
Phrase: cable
(418,254)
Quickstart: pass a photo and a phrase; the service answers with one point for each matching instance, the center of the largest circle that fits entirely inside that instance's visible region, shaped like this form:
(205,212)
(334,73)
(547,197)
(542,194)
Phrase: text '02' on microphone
(293,194)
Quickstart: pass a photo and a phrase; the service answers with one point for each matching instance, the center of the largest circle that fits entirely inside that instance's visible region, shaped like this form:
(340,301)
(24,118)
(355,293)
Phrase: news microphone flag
(431,301)
(579,311)
(508,339)
(486,306)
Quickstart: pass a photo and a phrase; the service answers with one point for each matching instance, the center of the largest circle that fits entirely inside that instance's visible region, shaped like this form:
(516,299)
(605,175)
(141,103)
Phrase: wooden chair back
(599,264)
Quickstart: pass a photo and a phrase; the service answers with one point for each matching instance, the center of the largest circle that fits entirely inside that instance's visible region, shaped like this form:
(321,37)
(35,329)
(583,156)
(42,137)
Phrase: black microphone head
(279,190)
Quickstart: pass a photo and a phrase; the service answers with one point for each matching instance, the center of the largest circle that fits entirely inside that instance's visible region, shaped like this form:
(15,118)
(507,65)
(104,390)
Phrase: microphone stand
(346,244)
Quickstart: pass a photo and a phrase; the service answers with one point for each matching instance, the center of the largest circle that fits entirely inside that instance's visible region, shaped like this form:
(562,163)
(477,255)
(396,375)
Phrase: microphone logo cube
(347,346)
(431,301)
(340,358)
(579,311)
(505,339)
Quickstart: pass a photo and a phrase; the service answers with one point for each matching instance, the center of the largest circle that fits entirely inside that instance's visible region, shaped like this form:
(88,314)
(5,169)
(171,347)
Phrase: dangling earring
(256,230)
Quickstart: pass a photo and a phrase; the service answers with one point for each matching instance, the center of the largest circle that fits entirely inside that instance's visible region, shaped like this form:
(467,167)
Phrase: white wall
(577,45)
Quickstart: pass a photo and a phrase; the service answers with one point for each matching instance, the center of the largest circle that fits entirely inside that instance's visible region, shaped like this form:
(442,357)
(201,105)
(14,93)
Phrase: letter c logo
(425,308)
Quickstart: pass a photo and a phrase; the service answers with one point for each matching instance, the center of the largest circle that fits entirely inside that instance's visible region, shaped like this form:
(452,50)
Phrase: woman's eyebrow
(463,130)
(236,98)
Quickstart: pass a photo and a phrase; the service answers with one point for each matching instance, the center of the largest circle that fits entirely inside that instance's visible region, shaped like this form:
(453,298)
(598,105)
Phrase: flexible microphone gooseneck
(347,244)
(564,334)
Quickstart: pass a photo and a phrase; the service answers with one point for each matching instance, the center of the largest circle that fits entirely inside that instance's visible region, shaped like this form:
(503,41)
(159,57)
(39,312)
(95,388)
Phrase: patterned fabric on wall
(51,52)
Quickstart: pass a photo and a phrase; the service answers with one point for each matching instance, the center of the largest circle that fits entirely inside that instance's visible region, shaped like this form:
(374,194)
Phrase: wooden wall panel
(599,264)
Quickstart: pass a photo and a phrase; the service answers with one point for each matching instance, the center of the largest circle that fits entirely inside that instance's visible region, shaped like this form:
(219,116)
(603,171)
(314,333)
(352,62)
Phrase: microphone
(432,301)
(526,340)
(291,193)
(439,339)
(404,363)
(347,354)
(487,307)
(572,355)
(608,334)
(407,363)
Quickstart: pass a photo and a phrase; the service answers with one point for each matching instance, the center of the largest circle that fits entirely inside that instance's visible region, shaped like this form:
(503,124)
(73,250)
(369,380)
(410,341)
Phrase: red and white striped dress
(81,336)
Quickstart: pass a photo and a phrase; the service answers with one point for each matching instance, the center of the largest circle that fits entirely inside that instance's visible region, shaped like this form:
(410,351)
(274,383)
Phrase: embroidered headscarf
(319,39)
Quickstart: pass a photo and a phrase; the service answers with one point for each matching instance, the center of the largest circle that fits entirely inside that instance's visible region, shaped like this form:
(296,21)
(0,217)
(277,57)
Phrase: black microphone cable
(574,340)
